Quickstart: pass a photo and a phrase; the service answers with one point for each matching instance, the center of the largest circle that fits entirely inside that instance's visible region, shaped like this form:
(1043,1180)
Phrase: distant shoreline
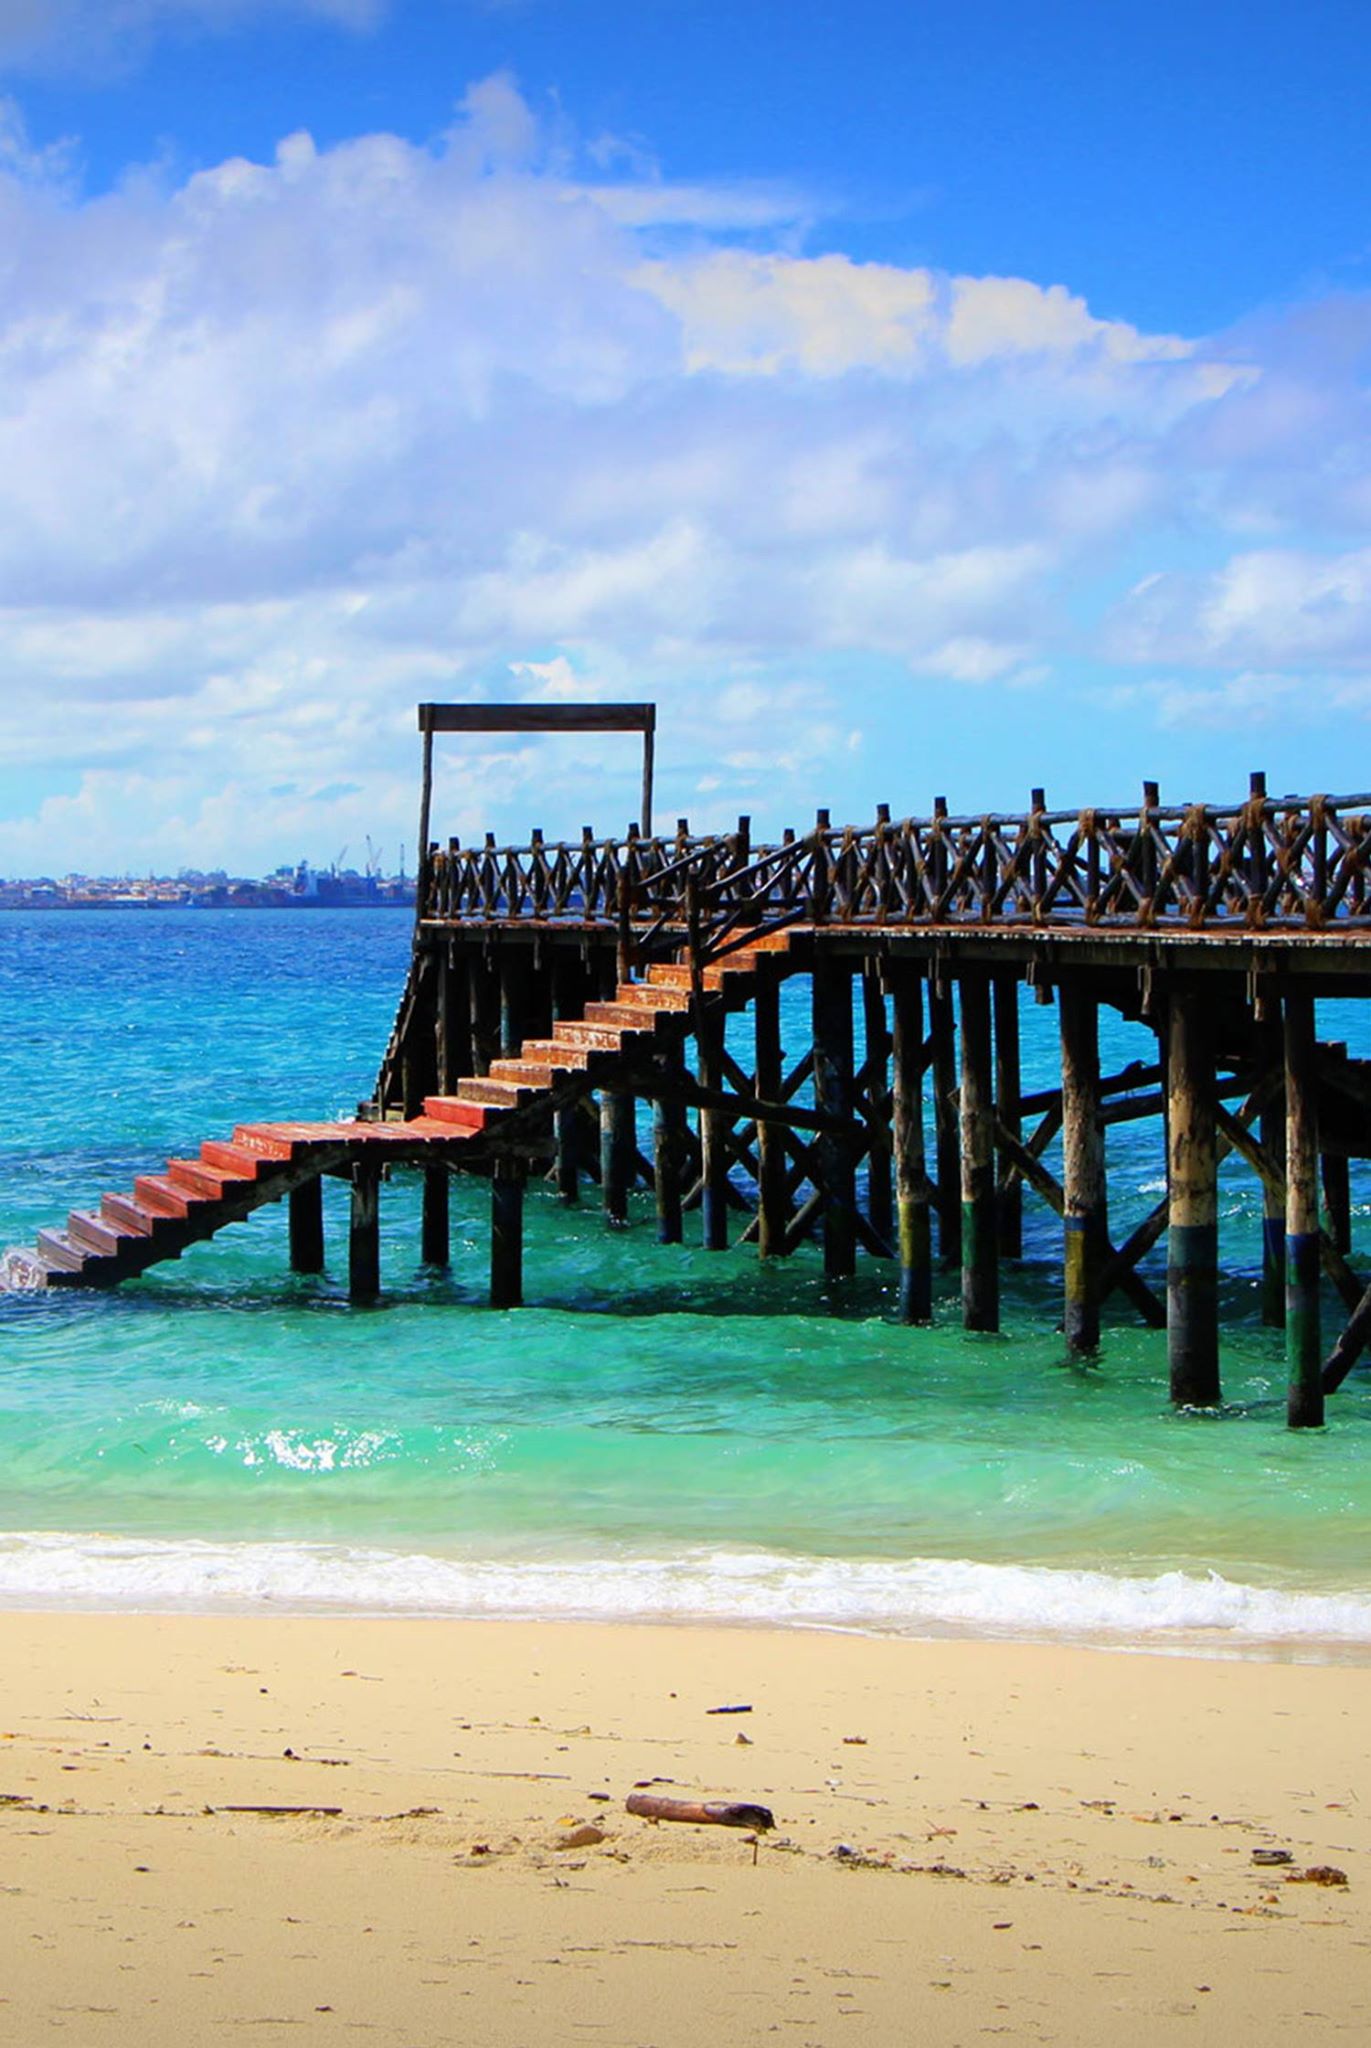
(306,903)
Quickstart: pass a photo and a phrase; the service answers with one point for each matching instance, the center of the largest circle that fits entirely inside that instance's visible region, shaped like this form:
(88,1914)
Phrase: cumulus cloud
(291,444)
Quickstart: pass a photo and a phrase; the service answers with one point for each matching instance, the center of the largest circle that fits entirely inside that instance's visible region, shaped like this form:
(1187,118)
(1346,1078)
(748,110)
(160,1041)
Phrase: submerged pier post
(435,1228)
(1085,1227)
(947,1148)
(364,1233)
(618,1152)
(876,1031)
(980,1250)
(773,1205)
(1304,1401)
(307,1226)
(831,1011)
(915,1237)
(507,1233)
(1008,1200)
(1192,1266)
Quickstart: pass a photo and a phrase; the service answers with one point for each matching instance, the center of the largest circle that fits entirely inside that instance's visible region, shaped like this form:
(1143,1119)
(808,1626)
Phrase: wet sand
(316,1830)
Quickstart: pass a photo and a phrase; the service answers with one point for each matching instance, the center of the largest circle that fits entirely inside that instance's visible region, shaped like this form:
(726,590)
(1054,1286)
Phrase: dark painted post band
(435,1232)
(980,1237)
(1304,1402)
(713,1137)
(307,1227)
(911,1176)
(1192,1265)
(507,1234)
(1085,1216)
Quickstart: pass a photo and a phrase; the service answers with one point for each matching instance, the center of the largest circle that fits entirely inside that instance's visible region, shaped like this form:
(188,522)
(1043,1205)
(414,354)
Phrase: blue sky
(925,399)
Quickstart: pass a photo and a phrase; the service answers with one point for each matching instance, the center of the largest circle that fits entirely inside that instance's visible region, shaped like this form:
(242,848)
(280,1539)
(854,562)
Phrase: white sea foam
(914,1597)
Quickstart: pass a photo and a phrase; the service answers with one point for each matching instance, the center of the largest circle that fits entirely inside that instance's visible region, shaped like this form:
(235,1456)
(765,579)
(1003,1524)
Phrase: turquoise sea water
(660,1431)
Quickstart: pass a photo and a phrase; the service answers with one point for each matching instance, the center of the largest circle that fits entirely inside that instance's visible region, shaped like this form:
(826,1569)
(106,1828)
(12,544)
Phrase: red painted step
(96,1234)
(130,1215)
(154,1191)
(235,1159)
(450,1109)
(495,1094)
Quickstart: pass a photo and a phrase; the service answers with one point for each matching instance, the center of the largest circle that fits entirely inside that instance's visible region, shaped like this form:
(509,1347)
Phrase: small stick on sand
(722,1813)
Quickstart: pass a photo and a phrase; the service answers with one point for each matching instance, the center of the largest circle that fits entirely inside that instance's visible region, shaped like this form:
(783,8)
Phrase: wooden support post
(514,980)
(1085,1219)
(307,1226)
(668,1165)
(947,1149)
(1192,1266)
(419,1052)
(773,1199)
(1272,1135)
(454,1020)
(911,1177)
(714,1128)
(435,1232)
(1008,1087)
(1304,1404)
(878,1159)
(1337,1200)
(831,1009)
(618,1152)
(980,1250)
(484,1000)
(568,1003)
(364,1234)
(507,1233)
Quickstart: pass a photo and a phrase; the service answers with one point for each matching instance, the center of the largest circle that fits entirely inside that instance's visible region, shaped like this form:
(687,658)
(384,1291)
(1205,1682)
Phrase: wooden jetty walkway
(553,987)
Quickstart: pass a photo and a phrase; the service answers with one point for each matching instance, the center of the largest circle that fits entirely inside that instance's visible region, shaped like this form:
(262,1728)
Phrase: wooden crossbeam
(1049,1187)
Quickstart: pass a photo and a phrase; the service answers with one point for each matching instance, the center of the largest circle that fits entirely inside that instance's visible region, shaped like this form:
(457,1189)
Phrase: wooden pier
(555,987)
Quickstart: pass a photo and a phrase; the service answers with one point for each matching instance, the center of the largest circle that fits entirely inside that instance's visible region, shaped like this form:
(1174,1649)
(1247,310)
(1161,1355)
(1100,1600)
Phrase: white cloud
(294,443)
(76,34)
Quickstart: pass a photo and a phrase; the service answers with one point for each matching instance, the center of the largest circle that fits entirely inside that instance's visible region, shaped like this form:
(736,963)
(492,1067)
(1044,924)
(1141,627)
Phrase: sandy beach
(299,1830)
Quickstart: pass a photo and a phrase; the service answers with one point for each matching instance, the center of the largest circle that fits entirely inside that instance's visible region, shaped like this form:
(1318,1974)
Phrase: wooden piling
(714,1129)
(454,1020)
(911,1177)
(831,1011)
(568,1000)
(1304,1401)
(773,1199)
(435,1228)
(1337,1200)
(307,1226)
(507,1233)
(947,1148)
(1009,1198)
(513,976)
(483,996)
(876,1034)
(1192,1272)
(364,1233)
(668,1165)
(1271,1131)
(980,1251)
(618,1152)
(1085,1228)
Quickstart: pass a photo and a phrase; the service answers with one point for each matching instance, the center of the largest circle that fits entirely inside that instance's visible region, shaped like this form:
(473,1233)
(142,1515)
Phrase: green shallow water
(743,1437)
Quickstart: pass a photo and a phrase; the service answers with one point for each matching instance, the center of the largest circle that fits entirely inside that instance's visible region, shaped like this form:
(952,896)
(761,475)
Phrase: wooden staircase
(192,1199)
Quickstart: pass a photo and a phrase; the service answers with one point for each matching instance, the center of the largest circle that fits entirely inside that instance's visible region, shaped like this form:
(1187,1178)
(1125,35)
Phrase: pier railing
(1295,863)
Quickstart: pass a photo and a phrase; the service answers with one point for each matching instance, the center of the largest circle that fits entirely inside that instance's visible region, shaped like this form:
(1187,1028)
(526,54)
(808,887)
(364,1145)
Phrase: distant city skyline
(910,401)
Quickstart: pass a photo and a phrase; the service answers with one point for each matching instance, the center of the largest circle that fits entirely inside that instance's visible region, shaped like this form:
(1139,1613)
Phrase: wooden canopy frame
(534,718)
